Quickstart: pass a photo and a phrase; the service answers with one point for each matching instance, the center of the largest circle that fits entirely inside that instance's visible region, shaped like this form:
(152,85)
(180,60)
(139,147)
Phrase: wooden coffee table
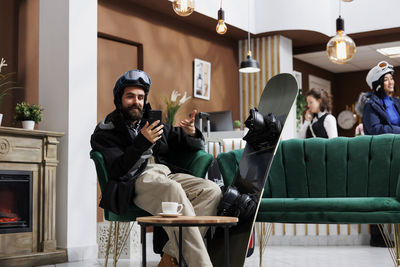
(186,221)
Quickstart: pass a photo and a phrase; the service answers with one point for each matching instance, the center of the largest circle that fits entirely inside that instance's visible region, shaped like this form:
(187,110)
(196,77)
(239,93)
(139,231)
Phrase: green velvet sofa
(339,180)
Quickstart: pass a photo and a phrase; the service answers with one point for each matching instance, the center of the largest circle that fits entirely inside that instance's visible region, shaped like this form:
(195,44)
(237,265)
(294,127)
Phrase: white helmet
(376,73)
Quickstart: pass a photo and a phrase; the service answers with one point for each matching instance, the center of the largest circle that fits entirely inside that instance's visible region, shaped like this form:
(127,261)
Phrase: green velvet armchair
(197,162)
(339,180)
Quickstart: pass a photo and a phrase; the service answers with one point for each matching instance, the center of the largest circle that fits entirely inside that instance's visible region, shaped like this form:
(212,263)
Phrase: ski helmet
(131,78)
(376,73)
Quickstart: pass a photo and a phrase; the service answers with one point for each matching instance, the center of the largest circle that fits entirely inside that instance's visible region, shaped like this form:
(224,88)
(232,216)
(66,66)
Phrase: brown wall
(308,69)
(8,51)
(19,45)
(169,49)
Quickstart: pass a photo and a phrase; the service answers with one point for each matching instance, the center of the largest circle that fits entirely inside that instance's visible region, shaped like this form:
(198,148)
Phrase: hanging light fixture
(340,48)
(221,27)
(249,65)
(183,7)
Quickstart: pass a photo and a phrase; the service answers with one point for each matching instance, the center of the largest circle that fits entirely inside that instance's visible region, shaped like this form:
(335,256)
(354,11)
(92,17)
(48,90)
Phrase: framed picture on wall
(202,79)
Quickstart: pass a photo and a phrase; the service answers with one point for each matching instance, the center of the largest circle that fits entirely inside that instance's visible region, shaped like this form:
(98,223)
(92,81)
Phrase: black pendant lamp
(249,65)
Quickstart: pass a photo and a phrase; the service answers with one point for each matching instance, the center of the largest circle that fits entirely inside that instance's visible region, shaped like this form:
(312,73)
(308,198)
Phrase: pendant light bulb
(221,26)
(340,48)
(183,7)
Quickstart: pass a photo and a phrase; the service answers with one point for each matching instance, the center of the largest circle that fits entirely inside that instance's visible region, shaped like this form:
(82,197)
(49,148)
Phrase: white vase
(1,118)
(28,125)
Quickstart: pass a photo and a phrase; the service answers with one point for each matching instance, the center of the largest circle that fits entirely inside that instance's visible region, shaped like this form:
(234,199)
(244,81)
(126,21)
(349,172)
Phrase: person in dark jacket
(127,141)
(381,113)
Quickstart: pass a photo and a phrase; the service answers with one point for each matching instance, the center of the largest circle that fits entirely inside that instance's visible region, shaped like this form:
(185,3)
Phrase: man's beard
(132,113)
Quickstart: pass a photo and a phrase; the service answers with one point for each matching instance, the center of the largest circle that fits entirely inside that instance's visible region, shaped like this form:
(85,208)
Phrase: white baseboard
(82,253)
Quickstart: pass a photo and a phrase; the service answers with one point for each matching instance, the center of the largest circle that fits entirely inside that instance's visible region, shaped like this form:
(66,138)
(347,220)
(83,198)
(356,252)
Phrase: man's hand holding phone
(153,130)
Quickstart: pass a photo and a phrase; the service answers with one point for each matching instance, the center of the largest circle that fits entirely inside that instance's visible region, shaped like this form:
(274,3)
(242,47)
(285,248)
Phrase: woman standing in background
(318,121)
(381,113)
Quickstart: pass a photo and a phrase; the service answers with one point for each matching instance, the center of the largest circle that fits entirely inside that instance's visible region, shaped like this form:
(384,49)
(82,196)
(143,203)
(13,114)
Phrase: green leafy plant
(237,124)
(26,112)
(301,106)
(173,105)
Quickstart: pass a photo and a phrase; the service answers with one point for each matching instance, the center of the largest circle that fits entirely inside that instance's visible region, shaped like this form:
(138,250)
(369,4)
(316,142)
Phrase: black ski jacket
(126,157)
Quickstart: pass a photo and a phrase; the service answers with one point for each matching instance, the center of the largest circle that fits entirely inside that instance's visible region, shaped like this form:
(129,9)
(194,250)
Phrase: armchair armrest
(228,163)
(195,161)
(199,163)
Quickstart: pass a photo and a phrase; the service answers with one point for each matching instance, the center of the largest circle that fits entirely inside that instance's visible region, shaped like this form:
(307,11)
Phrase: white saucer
(170,214)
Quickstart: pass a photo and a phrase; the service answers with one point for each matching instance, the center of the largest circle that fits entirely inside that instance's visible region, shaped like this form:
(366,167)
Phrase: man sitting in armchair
(127,141)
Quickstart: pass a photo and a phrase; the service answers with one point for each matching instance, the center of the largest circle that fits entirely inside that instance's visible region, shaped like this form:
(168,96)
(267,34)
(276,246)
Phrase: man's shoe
(168,261)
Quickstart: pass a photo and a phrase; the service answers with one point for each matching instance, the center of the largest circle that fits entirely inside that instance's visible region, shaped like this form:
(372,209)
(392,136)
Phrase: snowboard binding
(235,204)
(264,131)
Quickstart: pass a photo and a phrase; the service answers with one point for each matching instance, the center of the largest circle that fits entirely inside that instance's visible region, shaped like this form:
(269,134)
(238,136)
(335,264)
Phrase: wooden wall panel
(170,46)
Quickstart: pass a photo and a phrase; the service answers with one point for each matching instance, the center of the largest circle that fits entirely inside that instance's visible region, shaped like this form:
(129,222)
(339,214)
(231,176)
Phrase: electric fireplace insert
(15,201)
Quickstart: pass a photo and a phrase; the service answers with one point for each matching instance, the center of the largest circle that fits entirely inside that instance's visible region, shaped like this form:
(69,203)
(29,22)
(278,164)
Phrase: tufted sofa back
(363,166)
(340,167)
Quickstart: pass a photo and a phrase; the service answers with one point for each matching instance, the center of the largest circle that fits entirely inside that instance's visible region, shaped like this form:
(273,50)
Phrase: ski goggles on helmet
(384,66)
(131,78)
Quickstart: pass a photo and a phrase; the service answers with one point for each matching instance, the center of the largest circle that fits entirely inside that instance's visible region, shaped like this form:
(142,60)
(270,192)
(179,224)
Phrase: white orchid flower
(2,63)
(174,95)
(184,99)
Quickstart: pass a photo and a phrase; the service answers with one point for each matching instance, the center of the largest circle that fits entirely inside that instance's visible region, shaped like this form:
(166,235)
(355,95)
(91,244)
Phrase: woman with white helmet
(381,113)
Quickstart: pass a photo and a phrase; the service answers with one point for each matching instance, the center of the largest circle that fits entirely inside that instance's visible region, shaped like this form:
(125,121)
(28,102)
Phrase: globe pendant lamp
(340,48)
(249,65)
(183,7)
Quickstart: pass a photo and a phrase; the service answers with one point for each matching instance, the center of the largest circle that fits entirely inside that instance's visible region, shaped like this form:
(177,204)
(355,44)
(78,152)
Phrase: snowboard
(277,98)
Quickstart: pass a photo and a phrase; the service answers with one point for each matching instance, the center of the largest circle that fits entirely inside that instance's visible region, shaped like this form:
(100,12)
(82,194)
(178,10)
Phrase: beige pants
(198,196)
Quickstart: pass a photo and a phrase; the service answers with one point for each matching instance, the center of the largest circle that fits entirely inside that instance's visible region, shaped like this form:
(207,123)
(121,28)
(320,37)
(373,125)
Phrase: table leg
(226,237)
(208,236)
(143,232)
(180,246)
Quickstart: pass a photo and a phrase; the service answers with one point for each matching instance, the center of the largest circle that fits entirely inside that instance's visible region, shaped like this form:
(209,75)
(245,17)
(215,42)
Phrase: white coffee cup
(171,207)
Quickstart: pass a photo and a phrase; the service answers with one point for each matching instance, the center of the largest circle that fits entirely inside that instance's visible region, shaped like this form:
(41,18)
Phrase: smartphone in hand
(153,115)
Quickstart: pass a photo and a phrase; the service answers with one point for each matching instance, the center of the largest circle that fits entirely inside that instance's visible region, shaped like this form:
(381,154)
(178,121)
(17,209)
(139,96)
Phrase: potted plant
(173,105)
(28,114)
(301,106)
(6,84)
(236,125)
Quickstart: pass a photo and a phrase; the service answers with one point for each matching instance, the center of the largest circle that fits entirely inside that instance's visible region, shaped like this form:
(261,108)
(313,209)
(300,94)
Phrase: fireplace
(28,162)
(15,201)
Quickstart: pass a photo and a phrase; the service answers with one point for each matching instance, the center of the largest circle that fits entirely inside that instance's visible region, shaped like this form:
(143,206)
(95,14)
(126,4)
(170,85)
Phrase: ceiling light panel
(391,52)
